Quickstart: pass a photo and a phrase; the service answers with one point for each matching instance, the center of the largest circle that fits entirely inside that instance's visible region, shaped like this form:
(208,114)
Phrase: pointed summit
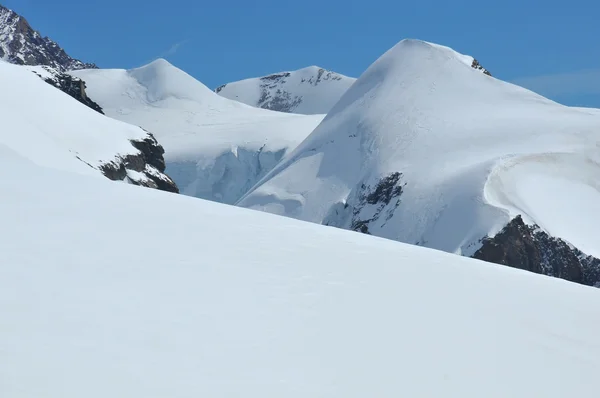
(426,149)
(163,80)
(21,44)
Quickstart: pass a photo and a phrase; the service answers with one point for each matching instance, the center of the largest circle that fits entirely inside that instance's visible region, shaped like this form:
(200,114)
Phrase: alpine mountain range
(322,147)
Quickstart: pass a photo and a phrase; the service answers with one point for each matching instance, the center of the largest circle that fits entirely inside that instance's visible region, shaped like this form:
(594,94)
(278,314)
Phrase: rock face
(73,86)
(311,90)
(476,65)
(144,169)
(21,44)
(526,247)
(387,189)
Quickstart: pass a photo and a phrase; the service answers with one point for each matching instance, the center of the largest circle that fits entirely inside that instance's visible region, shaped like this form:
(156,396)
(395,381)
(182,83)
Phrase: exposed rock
(386,190)
(73,86)
(288,91)
(476,65)
(21,44)
(529,248)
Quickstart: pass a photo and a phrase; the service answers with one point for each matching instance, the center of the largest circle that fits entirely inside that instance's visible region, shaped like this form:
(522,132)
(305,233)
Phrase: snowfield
(215,148)
(52,129)
(113,290)
(426,149)
(308,91)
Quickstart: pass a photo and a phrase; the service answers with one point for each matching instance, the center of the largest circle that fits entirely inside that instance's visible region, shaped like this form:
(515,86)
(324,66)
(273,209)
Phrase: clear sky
(550,46)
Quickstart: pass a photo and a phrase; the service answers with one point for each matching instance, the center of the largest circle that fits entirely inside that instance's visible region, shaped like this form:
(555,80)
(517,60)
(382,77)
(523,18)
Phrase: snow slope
(52,129)
(216,148)
(296,310)
(308,91)
(426,149)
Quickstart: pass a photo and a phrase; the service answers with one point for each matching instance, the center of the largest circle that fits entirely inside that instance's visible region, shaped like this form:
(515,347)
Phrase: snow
(423,111)
(559,191)
(215,148)
(114,290)
(52,129)
(312,90)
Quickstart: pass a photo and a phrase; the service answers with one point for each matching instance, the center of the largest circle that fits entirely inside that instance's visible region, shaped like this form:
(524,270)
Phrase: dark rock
(22,45)
(218,89)
(275,98)
(73,86)
(149,162)
(529,248)
(476,65)
(153,152)
(387,189)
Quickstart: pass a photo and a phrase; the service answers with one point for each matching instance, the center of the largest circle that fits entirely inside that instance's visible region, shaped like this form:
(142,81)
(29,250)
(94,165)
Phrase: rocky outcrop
(73,86)
(386,190)
(145,168)
(21,44)
(526,247)
(311,90)
(476,65)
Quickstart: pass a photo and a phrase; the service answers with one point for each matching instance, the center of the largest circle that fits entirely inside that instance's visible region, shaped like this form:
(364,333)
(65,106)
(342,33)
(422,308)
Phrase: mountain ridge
(310,90)
(215,148)
(427,148)
(22,45)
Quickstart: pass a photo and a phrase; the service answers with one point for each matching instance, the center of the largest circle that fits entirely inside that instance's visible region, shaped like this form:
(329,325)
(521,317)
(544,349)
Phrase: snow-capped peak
(426,149)
(216,148)
(162,80)
(310,90)
(21,44)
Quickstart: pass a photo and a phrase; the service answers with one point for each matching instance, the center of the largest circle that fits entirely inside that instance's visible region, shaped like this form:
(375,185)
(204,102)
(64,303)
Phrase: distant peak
(160,62)
(21,44)
(415,49)
(163,80)
(157,67)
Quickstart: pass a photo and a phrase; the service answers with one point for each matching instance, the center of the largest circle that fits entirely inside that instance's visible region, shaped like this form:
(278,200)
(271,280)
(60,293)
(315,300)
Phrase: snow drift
(296,310)
(308,91)
(216,149)
(426,149)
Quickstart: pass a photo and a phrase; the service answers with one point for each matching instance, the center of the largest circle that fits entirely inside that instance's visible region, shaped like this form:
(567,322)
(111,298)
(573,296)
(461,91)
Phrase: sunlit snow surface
(52,129)
(473,151)
(110,290)
(216,148)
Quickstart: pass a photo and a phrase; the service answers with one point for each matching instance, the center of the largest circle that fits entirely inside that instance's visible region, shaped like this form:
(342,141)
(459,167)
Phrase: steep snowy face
(216,149)
(309,91)
(217,301)
(51,129)
(20,44)
(426,148)
(73,86)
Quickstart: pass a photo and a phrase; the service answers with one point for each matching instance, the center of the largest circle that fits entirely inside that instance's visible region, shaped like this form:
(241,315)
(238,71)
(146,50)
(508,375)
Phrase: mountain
(308,91)
(51,129)
(70,85)
(426,148)
(217,301)
(21,44)
(216,149)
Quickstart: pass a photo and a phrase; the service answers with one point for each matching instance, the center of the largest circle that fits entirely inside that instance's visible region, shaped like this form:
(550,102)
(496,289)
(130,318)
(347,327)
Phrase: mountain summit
(308,91)
(215,148)
(21,44)
(427,149)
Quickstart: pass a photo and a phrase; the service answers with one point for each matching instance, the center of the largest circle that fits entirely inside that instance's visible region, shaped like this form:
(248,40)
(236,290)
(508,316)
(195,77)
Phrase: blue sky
(549,46)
